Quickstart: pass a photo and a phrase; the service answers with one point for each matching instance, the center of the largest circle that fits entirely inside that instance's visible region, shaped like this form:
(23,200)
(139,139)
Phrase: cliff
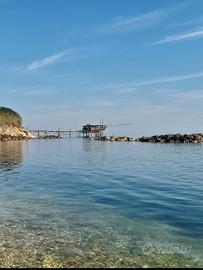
(11,126)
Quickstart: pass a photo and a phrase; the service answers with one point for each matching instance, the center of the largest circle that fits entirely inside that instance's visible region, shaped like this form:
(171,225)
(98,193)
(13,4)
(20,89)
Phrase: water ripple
(87,186)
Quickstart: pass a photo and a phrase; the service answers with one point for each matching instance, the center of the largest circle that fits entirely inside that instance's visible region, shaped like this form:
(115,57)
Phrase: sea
(76,202)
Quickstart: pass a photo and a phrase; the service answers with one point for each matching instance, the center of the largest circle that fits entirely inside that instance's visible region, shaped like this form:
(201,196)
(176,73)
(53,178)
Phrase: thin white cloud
(129,87)
(66,55)
(172,79)
(125,24)
(194,34)
(197,21)
(30,91)
(131,23)
(192,94)
(96,103)
(50,60)
(181,93)
(124,90)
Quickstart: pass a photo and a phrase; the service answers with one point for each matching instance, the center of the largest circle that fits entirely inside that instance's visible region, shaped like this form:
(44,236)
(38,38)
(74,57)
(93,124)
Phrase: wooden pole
(59,133)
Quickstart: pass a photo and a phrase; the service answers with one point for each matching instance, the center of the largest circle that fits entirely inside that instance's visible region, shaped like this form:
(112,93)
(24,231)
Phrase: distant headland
(11,126)
(11,129)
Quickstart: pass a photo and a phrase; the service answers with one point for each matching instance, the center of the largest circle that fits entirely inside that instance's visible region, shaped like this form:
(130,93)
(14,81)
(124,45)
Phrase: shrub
(9,118)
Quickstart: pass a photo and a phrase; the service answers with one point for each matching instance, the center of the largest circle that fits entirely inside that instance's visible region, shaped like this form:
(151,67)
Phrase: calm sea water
(77,202)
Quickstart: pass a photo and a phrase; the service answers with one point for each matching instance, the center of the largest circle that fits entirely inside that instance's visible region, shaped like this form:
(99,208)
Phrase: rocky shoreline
(174,138)
(14,133)
(11,128)
(167,138)
(45,137)
(117,139)
(20,133)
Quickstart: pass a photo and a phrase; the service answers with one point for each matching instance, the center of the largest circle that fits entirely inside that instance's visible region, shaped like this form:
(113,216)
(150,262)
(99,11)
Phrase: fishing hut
(90,130)
(87,131)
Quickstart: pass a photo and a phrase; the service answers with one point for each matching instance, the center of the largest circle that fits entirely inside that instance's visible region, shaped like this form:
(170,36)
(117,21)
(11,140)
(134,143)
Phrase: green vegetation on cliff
(9,118)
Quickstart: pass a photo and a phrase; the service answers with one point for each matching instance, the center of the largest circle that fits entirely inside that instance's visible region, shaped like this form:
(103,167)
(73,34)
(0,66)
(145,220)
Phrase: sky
(65,63)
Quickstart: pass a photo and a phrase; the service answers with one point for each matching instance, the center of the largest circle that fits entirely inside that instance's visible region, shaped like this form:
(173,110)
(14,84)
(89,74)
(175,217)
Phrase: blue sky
(68,62)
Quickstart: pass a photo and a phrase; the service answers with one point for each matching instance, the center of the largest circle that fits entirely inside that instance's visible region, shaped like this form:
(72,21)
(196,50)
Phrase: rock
(174,138)
(14,133)
(166,138)
(117,139)
(112,138)
(11,126)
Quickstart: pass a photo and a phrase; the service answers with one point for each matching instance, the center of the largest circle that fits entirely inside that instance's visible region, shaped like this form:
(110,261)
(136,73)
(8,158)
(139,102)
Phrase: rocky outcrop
(117,139)
(174,138)
(168,138)
(45,137)
(14,133)
(11,126)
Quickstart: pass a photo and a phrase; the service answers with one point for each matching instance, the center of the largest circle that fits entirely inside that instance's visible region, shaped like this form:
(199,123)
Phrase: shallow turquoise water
(77,202)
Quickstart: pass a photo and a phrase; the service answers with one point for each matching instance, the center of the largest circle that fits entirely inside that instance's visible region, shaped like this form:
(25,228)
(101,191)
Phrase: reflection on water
(91,204)
(11,154)
(90,146)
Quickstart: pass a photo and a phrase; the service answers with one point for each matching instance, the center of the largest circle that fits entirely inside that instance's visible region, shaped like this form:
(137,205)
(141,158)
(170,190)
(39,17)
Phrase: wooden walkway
(87,131)
(59,133)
